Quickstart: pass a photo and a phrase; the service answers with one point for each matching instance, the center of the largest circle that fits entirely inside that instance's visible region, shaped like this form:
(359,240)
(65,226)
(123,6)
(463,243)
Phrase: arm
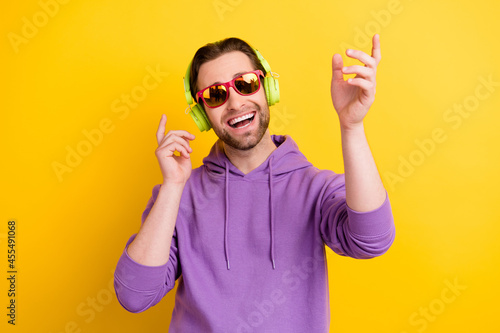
(137,286)
(362,225)
(151,246)
(352,233)
(148,267)
(364,188)
(352,100)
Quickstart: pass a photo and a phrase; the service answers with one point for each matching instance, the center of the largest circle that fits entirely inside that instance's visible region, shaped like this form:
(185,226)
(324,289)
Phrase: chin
(246,140)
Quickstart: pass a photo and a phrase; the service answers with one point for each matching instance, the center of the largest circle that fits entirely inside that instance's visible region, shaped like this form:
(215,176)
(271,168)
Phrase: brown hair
(212,51)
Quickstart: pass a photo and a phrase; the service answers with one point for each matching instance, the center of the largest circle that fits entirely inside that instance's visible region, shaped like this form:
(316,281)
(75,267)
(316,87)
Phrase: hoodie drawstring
(226,249)
(271,209)
(226,218)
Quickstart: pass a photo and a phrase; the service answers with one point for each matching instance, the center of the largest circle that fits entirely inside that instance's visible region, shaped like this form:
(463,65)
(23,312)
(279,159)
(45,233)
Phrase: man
(245,232)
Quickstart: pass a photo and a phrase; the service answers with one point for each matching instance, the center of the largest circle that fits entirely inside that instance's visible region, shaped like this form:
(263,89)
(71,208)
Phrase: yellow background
(65,77)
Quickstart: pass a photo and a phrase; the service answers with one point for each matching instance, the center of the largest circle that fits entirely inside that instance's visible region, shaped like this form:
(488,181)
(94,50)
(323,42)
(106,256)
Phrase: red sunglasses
(245,84)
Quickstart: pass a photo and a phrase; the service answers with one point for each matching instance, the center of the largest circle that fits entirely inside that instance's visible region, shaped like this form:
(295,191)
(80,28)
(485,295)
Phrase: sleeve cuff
(136,276)
(373,223)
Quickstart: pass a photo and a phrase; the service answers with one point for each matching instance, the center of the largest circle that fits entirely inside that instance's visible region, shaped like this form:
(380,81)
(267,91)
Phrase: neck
(248,160)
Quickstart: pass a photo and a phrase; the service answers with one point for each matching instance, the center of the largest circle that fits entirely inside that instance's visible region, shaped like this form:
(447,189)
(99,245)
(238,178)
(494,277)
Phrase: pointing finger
(376,48)
(161,129)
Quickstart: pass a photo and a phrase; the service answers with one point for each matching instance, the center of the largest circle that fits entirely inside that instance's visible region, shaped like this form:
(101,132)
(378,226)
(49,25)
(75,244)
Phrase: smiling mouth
(242,121)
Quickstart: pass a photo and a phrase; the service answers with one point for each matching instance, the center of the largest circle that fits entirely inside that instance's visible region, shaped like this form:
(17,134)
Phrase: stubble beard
(249,139)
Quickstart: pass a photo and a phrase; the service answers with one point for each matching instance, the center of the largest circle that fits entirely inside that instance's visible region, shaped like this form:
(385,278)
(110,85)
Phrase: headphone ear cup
(200,118)
(275,91)
(272,88)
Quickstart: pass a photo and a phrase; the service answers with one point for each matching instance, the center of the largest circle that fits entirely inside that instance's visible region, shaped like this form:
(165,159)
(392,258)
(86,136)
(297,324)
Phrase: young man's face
(248,133)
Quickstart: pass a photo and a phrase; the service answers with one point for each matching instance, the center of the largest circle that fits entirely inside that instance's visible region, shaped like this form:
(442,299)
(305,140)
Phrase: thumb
(337,64)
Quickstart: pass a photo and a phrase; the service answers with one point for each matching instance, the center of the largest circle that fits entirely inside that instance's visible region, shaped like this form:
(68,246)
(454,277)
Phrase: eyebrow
(234,76)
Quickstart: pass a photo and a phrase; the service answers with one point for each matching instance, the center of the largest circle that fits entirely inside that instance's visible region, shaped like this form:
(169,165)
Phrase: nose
(235,101)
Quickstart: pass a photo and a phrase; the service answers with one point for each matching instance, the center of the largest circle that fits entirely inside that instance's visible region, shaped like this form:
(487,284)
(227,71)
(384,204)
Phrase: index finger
(376,48)
(160,134)
(161,129)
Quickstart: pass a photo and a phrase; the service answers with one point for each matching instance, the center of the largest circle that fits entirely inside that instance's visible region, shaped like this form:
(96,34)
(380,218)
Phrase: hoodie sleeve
(139,287)
(360,235)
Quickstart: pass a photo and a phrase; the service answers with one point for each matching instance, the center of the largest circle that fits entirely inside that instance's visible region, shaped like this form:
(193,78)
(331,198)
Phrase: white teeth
(236,120)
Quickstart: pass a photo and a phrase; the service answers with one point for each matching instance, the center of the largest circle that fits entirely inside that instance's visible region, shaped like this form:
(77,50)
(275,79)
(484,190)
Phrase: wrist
(349,128)
(172,186)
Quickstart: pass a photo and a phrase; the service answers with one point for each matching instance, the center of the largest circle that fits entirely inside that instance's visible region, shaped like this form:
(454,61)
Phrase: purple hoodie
(248,250)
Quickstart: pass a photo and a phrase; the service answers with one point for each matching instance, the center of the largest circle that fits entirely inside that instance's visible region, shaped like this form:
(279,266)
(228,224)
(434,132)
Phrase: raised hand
(352,98)
(175,169)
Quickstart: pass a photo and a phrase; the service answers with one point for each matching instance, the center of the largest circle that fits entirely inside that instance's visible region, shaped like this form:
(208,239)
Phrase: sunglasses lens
(215,95)
(247,83)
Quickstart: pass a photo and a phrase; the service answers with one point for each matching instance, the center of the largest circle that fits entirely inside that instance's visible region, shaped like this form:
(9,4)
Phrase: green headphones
(271,87)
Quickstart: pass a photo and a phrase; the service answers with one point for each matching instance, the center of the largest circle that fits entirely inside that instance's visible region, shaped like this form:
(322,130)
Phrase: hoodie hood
(283,160)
